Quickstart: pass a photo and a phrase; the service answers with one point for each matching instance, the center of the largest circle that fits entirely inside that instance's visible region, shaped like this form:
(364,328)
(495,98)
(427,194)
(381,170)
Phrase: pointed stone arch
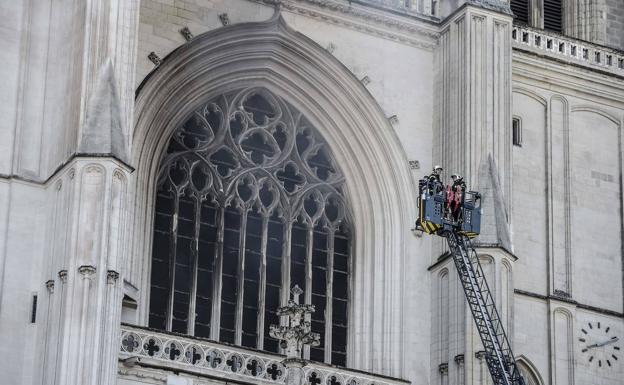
(377,178)
(529,371)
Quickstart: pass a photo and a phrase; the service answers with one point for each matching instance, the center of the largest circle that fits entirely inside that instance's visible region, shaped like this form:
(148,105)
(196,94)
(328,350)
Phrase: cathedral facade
(174,171)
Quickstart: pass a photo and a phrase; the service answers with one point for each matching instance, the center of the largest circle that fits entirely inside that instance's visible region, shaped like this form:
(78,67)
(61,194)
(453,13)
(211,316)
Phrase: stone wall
(566,218)
(615,23)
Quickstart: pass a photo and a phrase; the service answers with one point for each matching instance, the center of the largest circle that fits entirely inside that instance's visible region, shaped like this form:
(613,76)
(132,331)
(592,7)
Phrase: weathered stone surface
(103,132)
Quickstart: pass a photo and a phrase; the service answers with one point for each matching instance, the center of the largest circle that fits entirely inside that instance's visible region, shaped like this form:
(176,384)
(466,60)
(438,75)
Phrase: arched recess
(529,371)
(443,316)
(506,296)
(378,183)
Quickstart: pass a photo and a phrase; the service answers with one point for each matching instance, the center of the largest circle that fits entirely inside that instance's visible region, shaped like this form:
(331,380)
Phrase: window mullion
(172,259)
(215,321)
(329,293)
(195,260)
(262,284)
(285,289)
(307,295)
(240,273)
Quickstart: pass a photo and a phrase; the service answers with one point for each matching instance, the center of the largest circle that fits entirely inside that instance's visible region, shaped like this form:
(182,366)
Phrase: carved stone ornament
(298,332)
(480,354)
(50,286)
(459,359)
(225,19)
(154,58)
(186,32)
(112,276)
(443,368)
(119,175)
(87,271)
(365,80)
(63,276)
(393,120)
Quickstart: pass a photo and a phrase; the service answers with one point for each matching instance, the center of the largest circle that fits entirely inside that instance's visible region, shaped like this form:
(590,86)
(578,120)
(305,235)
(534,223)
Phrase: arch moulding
(378,182)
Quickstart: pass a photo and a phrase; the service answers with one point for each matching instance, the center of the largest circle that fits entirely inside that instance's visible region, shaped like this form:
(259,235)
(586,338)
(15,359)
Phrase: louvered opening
(520,9)
(553,15)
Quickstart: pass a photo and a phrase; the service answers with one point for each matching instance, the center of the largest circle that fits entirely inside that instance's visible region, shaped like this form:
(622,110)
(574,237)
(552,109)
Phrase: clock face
(599,345)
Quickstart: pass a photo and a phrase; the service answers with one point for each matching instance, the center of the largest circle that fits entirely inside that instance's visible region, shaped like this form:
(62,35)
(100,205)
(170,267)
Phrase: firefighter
(435,184)
(456,197)
(458,183)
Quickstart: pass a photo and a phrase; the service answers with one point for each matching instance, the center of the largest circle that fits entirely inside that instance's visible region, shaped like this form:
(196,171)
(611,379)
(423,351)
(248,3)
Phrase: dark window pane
(339,339)
(228,311)
(317,354)
(339,359)
(340,284)
(228,288)
(250,319)
(341,244)
(341,262)
(319,303)
(339,312)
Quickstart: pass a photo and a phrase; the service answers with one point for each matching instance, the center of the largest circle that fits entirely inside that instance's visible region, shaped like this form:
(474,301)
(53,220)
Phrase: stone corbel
(87,271)
(111,277)
(50,286)
(63,276)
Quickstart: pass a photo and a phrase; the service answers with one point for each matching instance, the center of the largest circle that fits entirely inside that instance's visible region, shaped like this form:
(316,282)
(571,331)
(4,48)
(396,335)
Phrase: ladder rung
(499,358)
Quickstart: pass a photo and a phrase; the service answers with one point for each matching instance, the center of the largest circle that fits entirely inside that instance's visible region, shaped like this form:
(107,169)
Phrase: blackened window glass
(249,203)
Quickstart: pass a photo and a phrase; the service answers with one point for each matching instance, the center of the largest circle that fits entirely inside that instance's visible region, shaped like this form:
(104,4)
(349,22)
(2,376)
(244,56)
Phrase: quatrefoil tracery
(251,150)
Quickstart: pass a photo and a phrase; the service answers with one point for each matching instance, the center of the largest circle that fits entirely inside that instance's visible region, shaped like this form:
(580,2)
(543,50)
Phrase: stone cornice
(60,169)
(414,30)
(568,50)
(569,301)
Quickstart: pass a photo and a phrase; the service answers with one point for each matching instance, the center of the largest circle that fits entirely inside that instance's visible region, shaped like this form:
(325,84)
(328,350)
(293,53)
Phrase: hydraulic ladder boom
(455,214)
(498,355)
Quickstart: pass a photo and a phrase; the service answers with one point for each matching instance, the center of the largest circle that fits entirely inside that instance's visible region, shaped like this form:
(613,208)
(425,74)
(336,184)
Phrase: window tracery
(250,202)
(530,377)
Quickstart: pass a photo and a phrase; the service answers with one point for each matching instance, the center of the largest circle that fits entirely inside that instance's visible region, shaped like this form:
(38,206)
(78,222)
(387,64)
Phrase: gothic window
(249,203)
(520,9)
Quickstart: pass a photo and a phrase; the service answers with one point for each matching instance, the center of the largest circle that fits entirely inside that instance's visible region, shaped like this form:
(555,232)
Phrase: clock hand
(592,346)
(607,342)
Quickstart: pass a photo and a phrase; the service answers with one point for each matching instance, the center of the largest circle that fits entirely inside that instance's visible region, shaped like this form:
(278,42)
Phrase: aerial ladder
(455,214)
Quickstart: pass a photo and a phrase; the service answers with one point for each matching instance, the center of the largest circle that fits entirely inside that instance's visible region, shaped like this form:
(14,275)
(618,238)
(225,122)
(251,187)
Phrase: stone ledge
(566,49)
(179,353)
